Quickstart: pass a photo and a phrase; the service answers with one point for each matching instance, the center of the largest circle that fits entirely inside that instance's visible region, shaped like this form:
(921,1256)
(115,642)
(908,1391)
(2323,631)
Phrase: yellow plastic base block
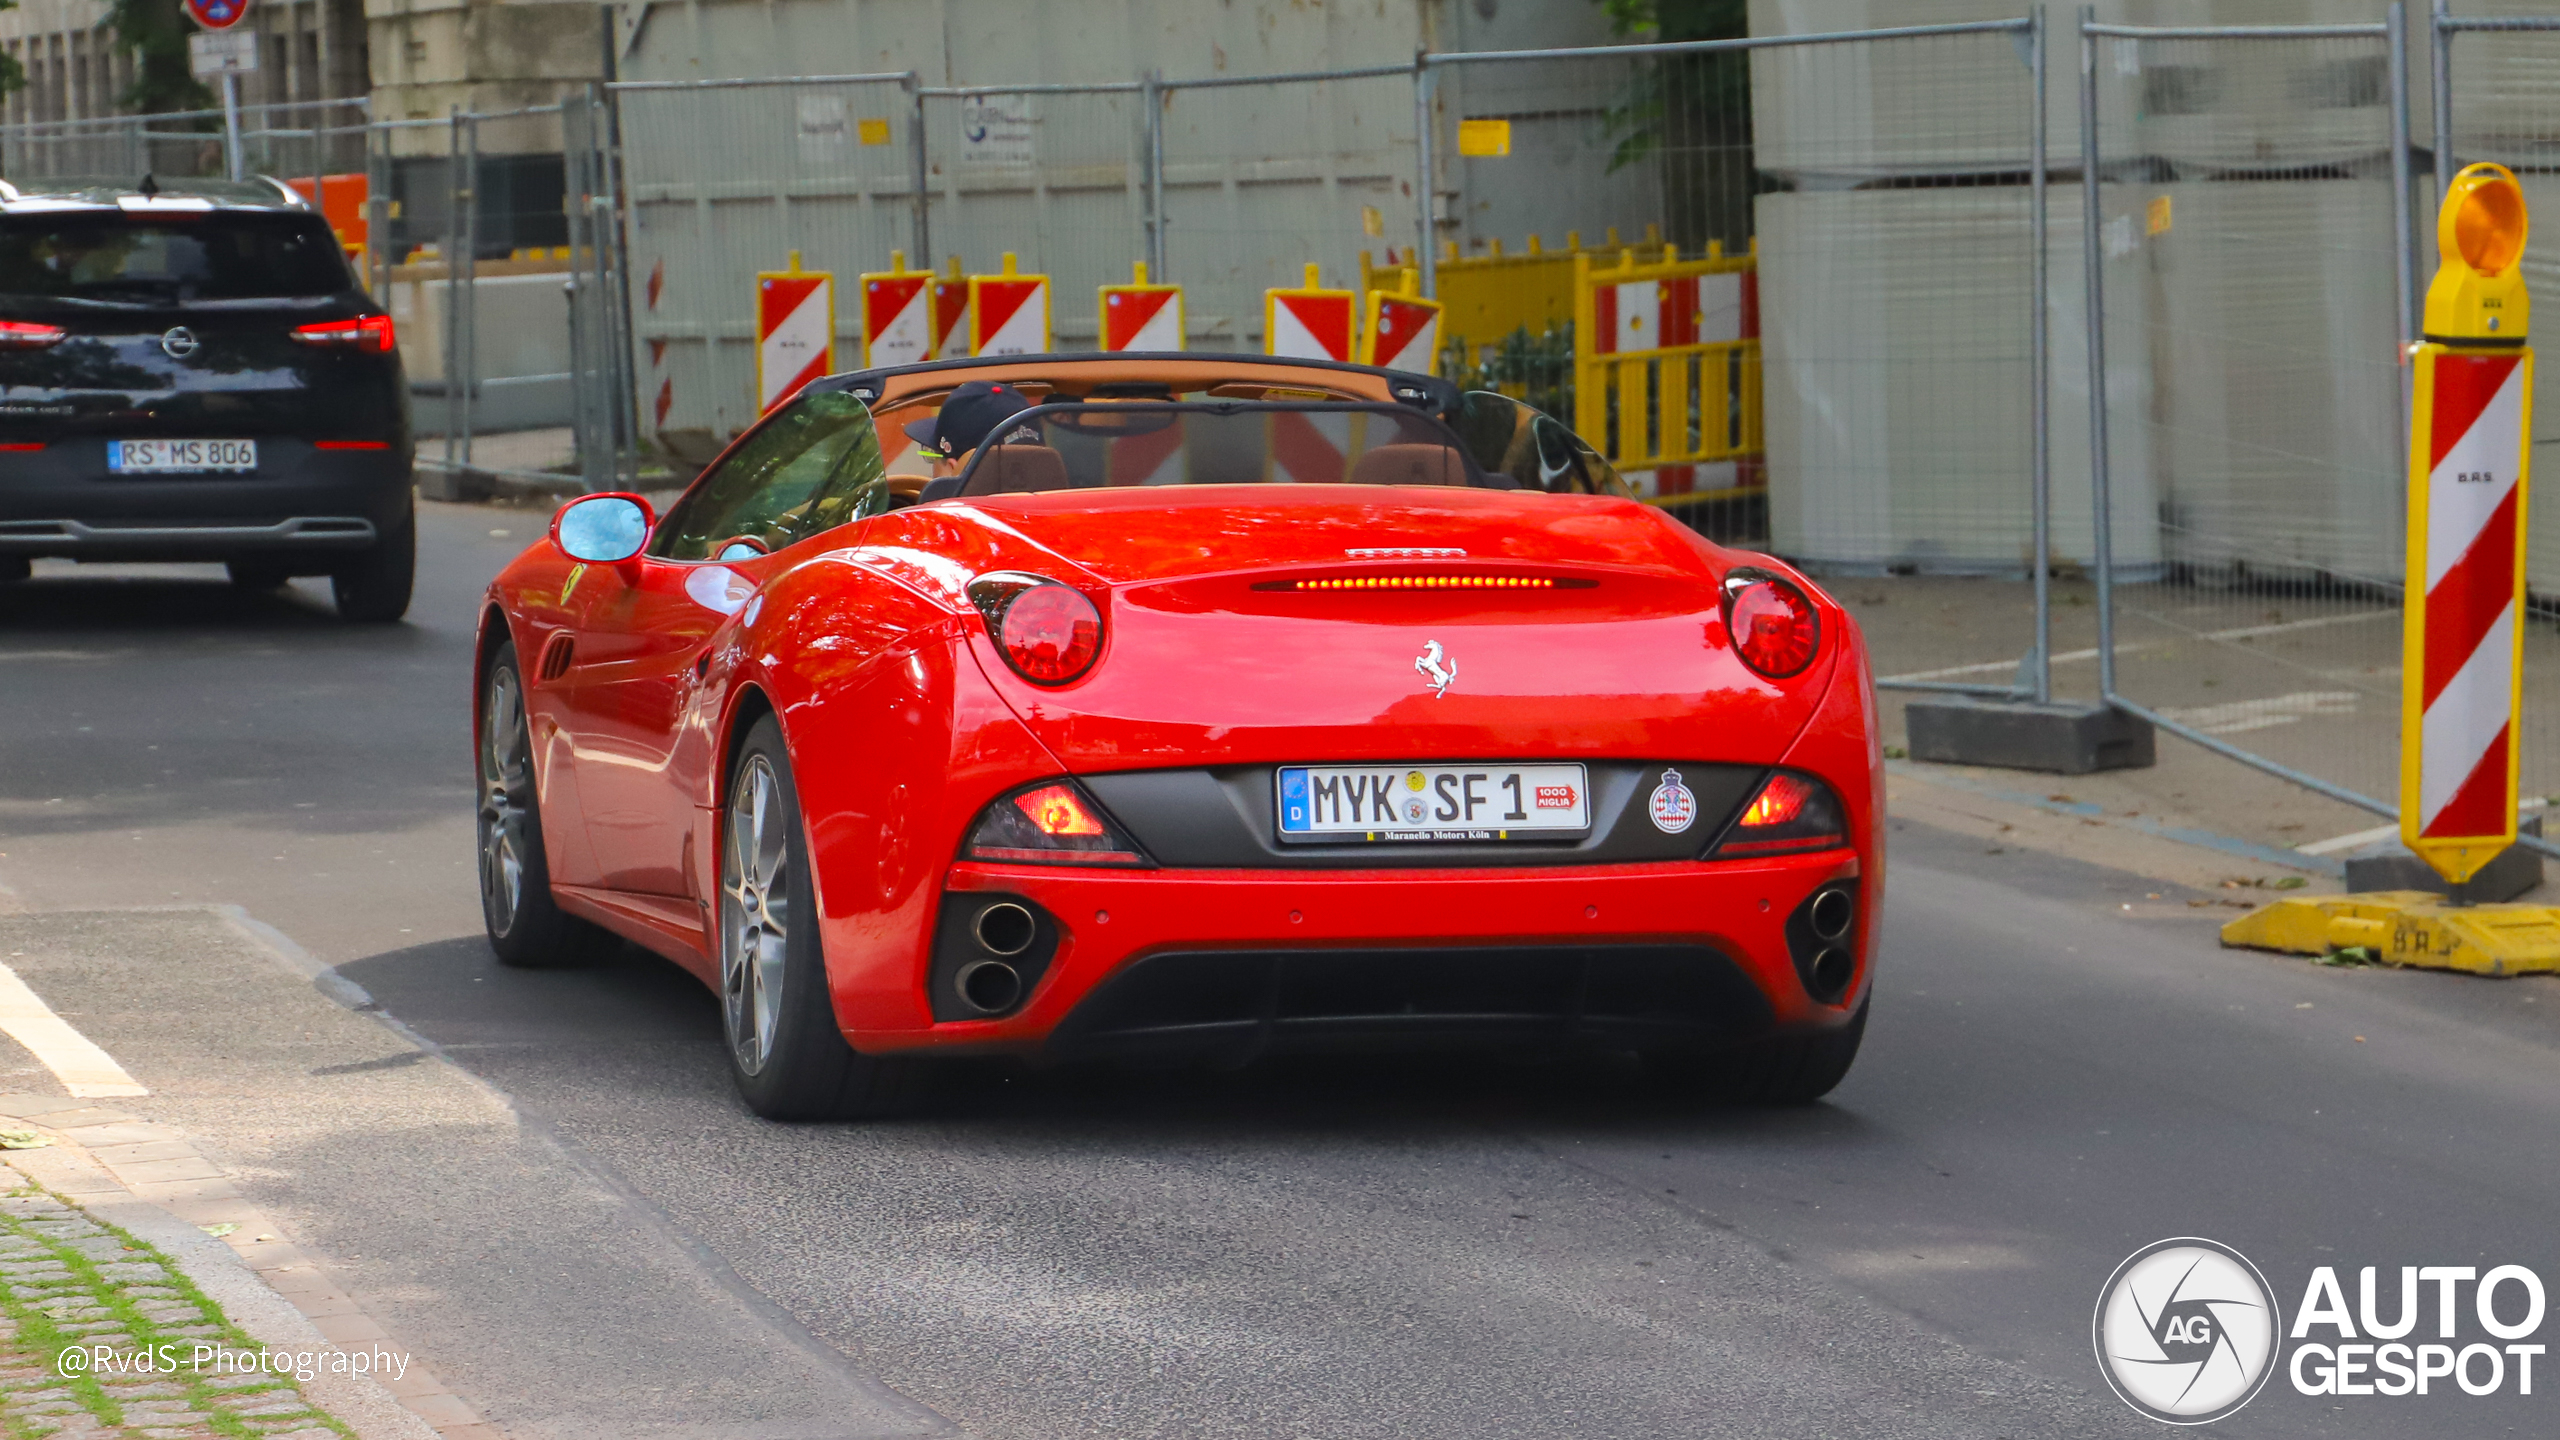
(2408,927)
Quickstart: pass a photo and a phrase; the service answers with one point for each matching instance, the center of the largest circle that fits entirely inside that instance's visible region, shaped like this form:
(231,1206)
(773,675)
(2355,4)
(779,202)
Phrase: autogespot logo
(2187,1331)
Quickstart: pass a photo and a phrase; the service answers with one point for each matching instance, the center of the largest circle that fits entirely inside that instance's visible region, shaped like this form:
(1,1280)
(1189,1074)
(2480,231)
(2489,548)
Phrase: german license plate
(1364,803)
(180,457)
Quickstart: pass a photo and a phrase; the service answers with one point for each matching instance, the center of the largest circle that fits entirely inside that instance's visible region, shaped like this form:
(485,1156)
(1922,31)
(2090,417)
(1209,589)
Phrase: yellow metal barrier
(1486,298)
(1666,370)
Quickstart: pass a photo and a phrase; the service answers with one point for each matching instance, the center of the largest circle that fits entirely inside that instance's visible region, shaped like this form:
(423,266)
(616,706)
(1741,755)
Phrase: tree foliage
(13,76)
(1688,114)
(156,32)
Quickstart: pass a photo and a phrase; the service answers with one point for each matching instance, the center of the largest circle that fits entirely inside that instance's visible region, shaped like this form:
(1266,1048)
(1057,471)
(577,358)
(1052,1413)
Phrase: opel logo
(180,342)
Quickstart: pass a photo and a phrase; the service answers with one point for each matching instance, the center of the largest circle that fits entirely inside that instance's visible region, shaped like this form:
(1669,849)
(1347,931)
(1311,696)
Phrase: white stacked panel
(1934,106)
(1896,344)
(2271,340)
(2252,104)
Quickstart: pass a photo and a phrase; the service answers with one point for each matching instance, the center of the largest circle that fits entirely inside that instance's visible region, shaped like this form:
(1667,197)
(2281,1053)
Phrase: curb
(150,1180)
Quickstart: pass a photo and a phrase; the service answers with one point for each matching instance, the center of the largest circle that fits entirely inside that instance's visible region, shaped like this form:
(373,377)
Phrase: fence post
(233,166)
(454,188)
(2092,255)
(2403,223)
(2040,401)
(465,266)
(2440,51)
(1155,177)
(923,179)
(1425,201)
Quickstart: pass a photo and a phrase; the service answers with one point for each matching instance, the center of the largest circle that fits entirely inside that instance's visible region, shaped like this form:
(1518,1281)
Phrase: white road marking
(85,1070)
(2245,632)
(2235,716)
(2357,839)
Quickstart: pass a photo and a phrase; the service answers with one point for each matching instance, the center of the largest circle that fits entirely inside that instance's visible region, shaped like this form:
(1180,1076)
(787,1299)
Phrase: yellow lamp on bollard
(2462,657)
(2479,293)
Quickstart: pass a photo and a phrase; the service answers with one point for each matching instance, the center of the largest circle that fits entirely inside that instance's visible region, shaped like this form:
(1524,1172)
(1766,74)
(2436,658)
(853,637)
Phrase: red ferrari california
(1219,706)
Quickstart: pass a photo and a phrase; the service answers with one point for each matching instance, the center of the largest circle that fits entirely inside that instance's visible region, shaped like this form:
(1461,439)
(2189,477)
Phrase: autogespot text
(2364,1354)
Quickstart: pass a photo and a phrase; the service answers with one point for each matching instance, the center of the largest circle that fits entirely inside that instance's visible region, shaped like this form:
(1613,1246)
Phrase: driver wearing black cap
(969,415)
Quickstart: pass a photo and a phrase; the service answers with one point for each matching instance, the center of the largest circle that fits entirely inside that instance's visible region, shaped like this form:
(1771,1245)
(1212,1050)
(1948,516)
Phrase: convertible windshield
(1098,446)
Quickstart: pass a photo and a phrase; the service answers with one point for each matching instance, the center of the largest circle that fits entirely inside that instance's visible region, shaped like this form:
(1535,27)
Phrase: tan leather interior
(1019,470)
(1408,465)
(908,487)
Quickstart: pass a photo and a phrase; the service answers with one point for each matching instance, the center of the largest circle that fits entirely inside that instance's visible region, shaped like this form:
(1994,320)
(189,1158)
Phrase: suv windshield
(215,256)
(1087,447)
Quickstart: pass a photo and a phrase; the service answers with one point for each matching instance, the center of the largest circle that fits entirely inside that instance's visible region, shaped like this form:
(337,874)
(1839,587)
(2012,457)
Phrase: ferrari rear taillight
(22,335)
(1792,812)
(1774,626)
(365,332)
(1052,823)
(1049,632)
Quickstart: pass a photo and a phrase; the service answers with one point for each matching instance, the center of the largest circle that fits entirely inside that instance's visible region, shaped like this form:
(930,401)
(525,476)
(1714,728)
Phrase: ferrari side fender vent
(561,649)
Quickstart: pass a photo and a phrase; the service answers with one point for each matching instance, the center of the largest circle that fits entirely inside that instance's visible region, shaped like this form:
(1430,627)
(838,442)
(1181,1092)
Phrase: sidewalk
(122,1319)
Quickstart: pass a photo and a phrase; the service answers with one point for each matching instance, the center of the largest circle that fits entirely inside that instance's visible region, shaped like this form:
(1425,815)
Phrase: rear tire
(1789,1070)
(257,575)
(373,586)
(786,1052)
(526,929)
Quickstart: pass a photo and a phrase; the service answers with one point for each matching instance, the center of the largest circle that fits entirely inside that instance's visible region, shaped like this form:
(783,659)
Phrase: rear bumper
(61,501)
(1673,955)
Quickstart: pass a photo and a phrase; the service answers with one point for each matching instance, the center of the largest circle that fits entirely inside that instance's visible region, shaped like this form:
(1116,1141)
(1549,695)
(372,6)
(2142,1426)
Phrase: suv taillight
(20,335)
(365,332)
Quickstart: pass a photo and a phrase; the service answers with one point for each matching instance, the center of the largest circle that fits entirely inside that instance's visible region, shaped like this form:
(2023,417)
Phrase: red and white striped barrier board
(1141,317)
(1311,447)
(1009,312)
(897,314)
(1403,331)
(795,331)
(949,297)
(1310,323)
(2464,610)
(1656,314)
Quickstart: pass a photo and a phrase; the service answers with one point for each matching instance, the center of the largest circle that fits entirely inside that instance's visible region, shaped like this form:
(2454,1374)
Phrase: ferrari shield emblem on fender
(1435,667)
(1674,806)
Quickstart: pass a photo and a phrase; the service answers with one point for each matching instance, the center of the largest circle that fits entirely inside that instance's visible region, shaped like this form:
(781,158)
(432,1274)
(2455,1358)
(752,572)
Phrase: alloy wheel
(506,796)
(755,915)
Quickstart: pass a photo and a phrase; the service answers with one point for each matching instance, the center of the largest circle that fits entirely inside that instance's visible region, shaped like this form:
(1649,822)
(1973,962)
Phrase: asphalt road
(559,1204)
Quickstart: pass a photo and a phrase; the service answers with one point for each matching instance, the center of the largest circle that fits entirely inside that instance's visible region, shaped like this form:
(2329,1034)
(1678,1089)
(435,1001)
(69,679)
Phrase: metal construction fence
(2112,350)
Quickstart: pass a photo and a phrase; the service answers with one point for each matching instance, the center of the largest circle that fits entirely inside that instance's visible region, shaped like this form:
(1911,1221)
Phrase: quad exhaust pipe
(991,985)
(1005,928)
(1832,914)
(989,954)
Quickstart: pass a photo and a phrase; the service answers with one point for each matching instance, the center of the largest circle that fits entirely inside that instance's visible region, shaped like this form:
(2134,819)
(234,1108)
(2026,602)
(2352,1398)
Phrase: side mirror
(602,529)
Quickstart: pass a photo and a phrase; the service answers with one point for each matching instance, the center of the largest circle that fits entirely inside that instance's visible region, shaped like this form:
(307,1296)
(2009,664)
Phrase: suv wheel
(373,586)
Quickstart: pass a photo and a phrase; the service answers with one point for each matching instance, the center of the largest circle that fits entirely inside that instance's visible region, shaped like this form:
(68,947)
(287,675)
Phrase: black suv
(190,371)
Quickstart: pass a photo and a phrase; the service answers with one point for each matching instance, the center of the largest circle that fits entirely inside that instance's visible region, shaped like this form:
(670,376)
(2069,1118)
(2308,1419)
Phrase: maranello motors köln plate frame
(1335,804)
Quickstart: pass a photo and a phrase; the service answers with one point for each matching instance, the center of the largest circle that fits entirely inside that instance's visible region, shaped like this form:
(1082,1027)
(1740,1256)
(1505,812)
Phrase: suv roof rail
(291,196)
(8,191)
